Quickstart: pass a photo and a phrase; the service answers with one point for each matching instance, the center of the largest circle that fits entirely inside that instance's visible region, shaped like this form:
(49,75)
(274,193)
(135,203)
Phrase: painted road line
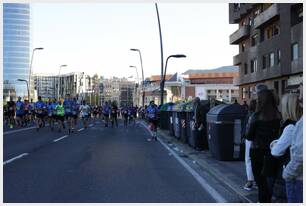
(19,130)
(23,129)
(81,129)
(15,158)
(205,185)
(60,138)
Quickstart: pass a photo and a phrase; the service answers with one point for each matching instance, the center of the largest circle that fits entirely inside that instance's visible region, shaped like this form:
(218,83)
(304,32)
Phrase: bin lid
(227,109)
(165,107)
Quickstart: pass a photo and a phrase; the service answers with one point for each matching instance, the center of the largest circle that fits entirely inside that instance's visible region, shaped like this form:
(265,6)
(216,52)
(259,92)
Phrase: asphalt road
(94,165)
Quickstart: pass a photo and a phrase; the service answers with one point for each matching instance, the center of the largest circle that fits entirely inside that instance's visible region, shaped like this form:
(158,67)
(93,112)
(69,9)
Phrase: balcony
(240,34)
(237,60)
(266,15)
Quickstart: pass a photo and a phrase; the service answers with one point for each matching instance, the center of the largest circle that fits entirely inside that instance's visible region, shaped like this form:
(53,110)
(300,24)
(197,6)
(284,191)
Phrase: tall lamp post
(58,85)
(164,75)
(30,72)
(161,56)
(23,80)
(136,72)
(137,97)
(143,93)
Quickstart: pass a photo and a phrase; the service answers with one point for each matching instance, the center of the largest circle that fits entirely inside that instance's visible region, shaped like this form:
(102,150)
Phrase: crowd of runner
(65,113)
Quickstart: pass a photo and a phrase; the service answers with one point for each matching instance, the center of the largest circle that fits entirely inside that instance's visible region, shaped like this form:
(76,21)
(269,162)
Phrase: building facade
(45,85)
(120,90)
(215,84)
(77,84)
(206,84)
(16,49)
(270,39)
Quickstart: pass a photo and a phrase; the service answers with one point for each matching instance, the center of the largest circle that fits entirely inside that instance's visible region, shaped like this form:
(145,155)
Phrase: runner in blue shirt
(50,113)
(152,112)
(19,112)
(68,112)
(40,108)
(125,115)
(106,112)
(53,113)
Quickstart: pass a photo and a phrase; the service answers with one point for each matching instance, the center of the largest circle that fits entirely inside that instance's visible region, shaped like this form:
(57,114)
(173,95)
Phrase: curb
(228,183)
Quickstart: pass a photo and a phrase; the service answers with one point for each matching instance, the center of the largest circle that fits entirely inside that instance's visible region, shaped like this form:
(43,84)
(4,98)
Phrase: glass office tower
(16,49)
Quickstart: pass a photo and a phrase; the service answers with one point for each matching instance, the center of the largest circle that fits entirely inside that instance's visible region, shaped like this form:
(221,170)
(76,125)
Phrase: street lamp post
(164,75)
(30,72)
(137,99)
(59,73)
(143,93)
(161,56)
(136,72)
(23,80)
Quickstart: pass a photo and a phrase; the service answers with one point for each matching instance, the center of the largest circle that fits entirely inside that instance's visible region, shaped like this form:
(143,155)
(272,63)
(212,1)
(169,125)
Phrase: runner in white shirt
(84,111)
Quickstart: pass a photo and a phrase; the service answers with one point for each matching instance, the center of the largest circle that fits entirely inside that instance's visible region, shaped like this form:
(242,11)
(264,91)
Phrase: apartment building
(270,40)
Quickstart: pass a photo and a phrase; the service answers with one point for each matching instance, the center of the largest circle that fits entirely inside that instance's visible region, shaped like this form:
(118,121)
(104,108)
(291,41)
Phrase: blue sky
(96,37)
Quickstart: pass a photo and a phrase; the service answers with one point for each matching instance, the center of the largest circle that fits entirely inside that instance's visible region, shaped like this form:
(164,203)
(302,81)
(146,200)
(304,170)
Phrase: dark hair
(266,106)
(39,97)
(252,107)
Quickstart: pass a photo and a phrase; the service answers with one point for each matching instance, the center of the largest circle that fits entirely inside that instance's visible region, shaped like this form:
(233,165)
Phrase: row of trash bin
(221,134)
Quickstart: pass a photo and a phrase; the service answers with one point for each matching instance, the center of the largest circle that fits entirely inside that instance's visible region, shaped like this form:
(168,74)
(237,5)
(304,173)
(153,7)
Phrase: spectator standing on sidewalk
(293,172)
(291,112)
(248,165)
(262,128)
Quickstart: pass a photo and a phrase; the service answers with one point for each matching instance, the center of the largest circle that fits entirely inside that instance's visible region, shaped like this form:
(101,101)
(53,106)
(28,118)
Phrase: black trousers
(257,160)
(114,120)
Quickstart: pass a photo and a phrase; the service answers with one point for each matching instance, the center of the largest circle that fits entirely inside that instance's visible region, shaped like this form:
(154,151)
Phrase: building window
(251,21)
(264,61)
(278,56)
(245,68)
(296,14)
(253,65)
(257,12)
(275,30)
(294,51)
(276,87)
(271,59)
(242,47)
(283,86)
(243,93)
(269,33)
(254,40)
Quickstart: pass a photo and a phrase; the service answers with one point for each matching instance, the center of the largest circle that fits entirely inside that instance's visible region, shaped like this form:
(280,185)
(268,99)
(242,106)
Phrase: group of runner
(24,113)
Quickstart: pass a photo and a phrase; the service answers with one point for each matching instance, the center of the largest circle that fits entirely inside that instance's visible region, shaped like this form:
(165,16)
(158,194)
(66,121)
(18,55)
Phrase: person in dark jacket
(200,110)
(262,128)
(280,148)
(248,165)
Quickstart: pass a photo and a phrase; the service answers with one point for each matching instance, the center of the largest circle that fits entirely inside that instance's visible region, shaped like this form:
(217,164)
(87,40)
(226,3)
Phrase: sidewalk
(230,173)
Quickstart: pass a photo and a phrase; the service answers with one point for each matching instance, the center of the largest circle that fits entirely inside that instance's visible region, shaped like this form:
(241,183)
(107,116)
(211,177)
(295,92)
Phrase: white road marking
(19,130)
(81,129)
(23,129)
(60,138)
(205,185)
(15,158)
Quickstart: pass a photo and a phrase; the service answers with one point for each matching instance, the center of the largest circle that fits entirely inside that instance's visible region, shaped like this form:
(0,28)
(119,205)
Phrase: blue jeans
(294,189)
